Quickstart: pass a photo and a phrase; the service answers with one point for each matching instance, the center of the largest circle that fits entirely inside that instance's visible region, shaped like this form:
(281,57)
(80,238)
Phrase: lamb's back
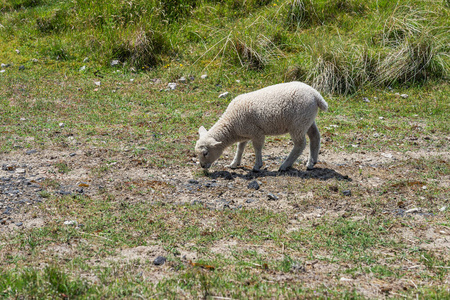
(275,108)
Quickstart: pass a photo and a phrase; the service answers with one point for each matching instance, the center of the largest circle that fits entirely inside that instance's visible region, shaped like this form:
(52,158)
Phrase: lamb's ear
(202,130)
(215,143)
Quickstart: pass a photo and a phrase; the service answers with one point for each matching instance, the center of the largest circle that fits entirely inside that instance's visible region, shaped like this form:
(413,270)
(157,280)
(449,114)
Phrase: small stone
(61,125)
(412,210)
(250,200)
(404,96)
(115,62)
(347,193)
(72,154)
(381,118)
(18,224)
(271,196)
(70,223)
(20,171)
(32,151)
(160,260)
(97,83)
(17,51)
(5,65)
(365,99)
(204,76)
(223,95)
(443,208)
(82,68)
(172,85)
(193,181)
(21,68)
(182,80)
(387,155)
(253,185)
(345,279)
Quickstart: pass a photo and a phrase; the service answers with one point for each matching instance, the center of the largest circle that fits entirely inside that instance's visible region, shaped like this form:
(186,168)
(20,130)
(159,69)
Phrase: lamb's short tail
(323,105)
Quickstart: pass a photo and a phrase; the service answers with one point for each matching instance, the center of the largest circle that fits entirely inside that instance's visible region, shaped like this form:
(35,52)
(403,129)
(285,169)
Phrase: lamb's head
(207,148)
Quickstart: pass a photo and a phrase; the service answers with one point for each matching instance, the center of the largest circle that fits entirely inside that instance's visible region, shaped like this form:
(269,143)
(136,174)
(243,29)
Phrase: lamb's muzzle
(274,110)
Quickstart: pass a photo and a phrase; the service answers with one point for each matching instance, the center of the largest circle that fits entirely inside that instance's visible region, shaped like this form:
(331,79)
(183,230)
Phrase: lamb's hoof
(284,169)
(310,166)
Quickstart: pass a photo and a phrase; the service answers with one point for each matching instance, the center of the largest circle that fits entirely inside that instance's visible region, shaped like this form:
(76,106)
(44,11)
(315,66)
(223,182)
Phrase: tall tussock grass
(417,47)
(338,46)
(141,48)
(340,69)
(307,13)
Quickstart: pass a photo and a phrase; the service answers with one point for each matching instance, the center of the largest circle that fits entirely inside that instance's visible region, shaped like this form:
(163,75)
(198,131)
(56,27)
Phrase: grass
(125,121)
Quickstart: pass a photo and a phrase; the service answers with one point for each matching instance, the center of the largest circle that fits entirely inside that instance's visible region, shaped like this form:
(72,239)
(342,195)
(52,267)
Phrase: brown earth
(94,171)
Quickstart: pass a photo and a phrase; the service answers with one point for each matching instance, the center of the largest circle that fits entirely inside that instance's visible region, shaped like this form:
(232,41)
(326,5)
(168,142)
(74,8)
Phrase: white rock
(61,125)
(182,80)
(412,210)
(97,83)
(83,68)
(387,155)
(404,96)
(70,223)
(115,62)
(443,208)
(223,95)
(345,279)
(204,76)
(381,118)
(172,85)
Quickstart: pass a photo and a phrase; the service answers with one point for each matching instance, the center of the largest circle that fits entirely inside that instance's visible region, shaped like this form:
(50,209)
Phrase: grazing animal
(274,110)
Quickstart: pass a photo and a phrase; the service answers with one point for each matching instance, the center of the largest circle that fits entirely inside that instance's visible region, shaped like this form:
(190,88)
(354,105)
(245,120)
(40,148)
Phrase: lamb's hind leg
(238,156)
(314,140)
(299,145)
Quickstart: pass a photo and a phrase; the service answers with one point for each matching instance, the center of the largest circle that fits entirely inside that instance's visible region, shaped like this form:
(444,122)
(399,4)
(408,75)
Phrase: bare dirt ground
(349,178)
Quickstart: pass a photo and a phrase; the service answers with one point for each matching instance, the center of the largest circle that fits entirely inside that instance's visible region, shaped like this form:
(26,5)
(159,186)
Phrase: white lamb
(274,110)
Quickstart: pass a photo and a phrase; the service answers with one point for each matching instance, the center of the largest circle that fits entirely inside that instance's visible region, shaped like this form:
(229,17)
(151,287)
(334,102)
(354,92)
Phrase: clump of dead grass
(416,47)
(307,13)
(141,48)
(340,69)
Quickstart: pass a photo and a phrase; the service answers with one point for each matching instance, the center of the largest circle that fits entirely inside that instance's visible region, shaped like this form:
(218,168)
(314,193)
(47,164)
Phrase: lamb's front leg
(238,156)
(258,144)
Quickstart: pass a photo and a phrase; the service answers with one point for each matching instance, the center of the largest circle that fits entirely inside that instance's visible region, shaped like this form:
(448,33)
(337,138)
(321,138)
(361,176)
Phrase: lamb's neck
(224,132)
